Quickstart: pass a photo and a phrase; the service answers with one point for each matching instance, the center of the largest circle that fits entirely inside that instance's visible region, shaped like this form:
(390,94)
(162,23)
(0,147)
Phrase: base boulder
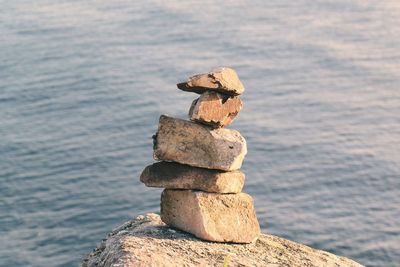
(147,241)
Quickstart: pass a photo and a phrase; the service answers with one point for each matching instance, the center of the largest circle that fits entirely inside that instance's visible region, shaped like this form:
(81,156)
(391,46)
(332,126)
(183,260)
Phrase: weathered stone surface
(215,109)
(173,175)
(211,216)
(224,80)
(198,145)
(147,241)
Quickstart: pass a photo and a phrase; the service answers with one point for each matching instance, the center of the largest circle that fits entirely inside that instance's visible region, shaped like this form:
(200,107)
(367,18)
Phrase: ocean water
(83,83)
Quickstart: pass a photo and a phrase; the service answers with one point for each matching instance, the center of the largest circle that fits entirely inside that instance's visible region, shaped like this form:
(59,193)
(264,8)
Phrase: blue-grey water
(82,84)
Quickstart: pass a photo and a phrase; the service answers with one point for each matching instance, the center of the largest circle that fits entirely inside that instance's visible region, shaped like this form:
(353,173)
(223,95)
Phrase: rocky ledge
(147,241)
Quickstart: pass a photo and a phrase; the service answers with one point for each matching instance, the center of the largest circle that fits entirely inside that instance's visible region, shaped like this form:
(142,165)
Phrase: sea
(83,83)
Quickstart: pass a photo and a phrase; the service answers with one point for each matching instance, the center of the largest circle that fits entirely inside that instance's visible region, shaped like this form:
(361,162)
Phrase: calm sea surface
(83,83)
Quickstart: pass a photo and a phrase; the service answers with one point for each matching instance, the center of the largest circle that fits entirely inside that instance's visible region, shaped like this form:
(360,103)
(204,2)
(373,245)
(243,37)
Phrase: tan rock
(210,216)
(177,176)
(224,80)
(147,241)
(215,109)
(198,145)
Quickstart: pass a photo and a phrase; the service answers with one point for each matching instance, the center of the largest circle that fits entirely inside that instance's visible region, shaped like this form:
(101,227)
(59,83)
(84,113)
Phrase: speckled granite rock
(147,241)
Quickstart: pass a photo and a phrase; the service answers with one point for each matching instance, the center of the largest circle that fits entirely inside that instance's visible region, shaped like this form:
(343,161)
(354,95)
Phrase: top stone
(224,80)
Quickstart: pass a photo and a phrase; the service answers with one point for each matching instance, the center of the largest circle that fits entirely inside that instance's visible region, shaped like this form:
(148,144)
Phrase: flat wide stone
(215,109)
(210,216)
(198,145)
(177,176)
(224,80)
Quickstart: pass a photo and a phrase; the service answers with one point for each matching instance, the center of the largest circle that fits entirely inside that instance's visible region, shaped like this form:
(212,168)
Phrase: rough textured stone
(198,145)
(147,241)
(224,80)
(177,176)
(215,109)
(211,216)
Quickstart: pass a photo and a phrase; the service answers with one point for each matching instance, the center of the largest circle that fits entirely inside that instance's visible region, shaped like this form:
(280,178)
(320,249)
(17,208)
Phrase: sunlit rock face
(197,145)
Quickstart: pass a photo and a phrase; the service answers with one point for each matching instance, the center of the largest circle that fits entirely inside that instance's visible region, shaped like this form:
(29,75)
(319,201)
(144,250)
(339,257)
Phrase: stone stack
(200,164)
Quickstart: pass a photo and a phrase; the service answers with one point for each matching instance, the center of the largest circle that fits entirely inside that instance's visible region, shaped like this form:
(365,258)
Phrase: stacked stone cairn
(200,164)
